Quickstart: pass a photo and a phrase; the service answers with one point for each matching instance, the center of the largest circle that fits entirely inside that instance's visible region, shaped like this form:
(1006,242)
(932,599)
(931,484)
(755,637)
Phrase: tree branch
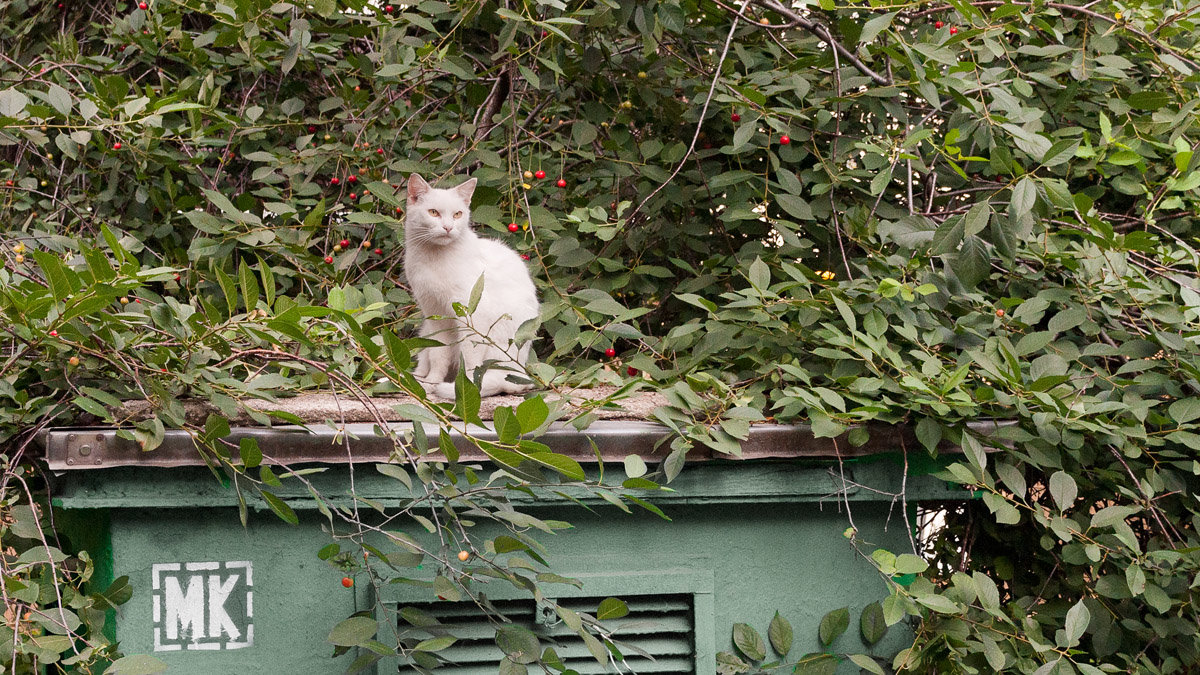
(822,31)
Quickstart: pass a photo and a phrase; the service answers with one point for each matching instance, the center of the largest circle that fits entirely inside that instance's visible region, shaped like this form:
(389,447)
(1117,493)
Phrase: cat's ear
(466,189)
(416,187)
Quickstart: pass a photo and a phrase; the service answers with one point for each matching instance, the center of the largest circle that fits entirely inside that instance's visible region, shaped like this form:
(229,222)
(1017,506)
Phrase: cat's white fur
(443,258)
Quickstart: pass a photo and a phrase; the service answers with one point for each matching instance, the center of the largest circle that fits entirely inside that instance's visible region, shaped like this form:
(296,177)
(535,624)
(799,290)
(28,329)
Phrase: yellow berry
(527,175)
(74,360)
(124,301)
(18,248)
(19,259)
(526,185)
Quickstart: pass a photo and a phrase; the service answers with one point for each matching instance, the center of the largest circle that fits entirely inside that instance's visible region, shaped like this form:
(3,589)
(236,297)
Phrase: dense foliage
(876,212)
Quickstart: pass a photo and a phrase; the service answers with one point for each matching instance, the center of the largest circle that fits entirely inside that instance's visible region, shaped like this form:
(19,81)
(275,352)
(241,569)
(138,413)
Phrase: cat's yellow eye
(434,213)
(457,215)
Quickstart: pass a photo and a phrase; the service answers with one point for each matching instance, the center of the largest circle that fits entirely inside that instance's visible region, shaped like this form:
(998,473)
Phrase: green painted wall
(750,539)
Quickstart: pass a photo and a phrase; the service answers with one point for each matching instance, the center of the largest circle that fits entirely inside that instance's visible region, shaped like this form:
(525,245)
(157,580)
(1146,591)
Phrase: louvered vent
(658,625)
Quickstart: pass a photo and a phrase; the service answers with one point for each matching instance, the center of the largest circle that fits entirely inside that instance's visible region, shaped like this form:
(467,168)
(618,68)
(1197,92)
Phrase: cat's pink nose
(447,228)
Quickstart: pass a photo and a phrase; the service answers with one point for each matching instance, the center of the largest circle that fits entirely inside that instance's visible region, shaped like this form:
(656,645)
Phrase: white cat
(443,258)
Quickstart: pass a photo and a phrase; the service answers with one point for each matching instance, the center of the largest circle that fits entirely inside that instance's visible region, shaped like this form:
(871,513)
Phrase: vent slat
(490,653)
(639,666)
(624,629)
(657,625)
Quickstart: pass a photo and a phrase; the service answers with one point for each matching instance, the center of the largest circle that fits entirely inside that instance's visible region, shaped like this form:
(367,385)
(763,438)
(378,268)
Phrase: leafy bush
(980,211)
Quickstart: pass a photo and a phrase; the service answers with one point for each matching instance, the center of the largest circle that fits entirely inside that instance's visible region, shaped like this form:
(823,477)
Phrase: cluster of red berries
(345,244)
(611,352)
(939,24)
(539,174)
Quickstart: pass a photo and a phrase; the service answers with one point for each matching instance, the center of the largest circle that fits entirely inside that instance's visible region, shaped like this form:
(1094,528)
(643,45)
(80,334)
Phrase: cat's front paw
(437,389)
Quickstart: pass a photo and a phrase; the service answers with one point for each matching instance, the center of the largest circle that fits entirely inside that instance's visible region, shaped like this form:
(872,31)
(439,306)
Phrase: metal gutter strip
(84,448)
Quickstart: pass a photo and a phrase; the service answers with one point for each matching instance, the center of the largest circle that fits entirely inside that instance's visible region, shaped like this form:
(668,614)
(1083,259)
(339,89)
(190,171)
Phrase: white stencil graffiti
(202,605)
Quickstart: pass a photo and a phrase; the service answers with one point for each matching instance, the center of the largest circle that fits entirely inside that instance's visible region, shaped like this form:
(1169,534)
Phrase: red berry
(53,333)
(311,128)
(378,251)
(379,151)
(539,174)
(545,33)
(366,192)
(353,196)
(938,24)
(524,256)
(784,140)
(561,183)
(631,371)
(735,117)
(334,181)
(389,9)
(347,582)
(9,183)
(953,30)
(176,276)
(345,243)
(512,227)
(399,210)
(352,178)
(142,5)
(328,260)
(610,352)
(117,145)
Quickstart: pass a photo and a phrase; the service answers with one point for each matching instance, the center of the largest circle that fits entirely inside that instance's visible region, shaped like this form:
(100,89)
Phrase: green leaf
(1185,410)
(505,422)
(280,508)
(833,625)
(749,642)
(250,454)
(1078,618)
(518,644)
(436,644)
(780,635)
(635,467)
(136,664)
(466,398)
(910,564)
(611,608)
(56,274)
(354,631)
(873,26)
(1063,489)
(531,413)
(866,663)
(816,664)
(1148,100)
(249,285)
(872,624)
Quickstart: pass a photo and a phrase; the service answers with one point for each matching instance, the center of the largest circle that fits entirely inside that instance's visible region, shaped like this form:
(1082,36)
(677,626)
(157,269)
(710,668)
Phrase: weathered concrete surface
(344,408)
